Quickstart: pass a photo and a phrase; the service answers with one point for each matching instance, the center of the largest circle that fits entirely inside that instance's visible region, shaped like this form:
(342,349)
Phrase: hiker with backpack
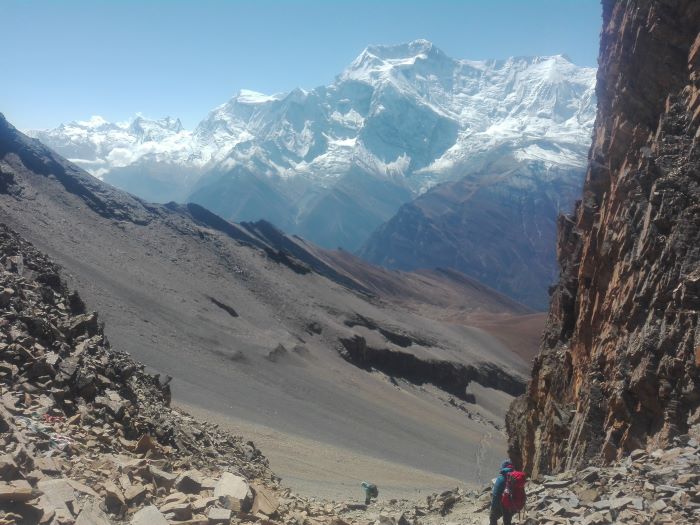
(508,495)
(371,491)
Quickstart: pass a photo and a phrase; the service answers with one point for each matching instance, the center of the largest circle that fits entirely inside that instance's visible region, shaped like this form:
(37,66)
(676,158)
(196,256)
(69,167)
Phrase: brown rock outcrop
(618,367)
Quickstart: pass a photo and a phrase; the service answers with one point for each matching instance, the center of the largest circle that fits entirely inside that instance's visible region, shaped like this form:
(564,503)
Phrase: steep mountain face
(253,326)
(619,365)
(497,225)
(335,162)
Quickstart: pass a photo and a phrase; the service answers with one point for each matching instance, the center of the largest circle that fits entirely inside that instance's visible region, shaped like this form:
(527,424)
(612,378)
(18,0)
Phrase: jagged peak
(398,54)
(97,123)
(139,123)
(405,50)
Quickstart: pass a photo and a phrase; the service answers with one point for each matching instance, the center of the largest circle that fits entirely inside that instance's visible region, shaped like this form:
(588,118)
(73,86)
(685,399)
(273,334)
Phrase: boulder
(149,516)
(5,296)
(219,516)
(8,468)
(233,492)
(58,493)
(135,494)
(265,501)
(162,478)
(189,482)
(92,514)
(177,510)
(18,492)
(114,499)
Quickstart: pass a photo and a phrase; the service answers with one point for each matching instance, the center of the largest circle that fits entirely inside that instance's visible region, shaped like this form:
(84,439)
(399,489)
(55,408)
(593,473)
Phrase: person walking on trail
(371,491)
(508,495)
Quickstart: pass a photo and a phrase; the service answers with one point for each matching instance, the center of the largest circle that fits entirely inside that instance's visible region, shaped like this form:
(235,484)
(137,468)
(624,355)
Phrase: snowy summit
(407,116)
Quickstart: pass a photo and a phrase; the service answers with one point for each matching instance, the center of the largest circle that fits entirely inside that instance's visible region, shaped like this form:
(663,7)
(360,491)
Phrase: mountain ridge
(392,126)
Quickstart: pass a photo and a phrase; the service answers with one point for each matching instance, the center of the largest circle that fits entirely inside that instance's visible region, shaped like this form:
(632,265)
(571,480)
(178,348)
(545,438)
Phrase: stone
(590,474)
(84,324)
(177,510)
(208,483)
(688,480)
(149,516)
(680,498)
(556,484)
(195,520)
(666,489)
(637,503)
(658,506)
(265,501)
(5,296)
(218,516)
(91,514)
(8,468)
(58,493)
(189,482)
(144,444)
(637,454)
(111,403)
(47,465)
(16,492)
(588,495)
(135,494)
(114,499)
(162,478)
(594,519)
(233,492)
(81,487)
(201,504)
(619,503)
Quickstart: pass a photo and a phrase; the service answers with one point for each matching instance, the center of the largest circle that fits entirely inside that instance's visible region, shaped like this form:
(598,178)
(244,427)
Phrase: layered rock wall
(618,369)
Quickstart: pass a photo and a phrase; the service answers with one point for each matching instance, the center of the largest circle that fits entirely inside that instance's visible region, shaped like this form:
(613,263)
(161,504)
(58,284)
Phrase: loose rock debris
(88,438)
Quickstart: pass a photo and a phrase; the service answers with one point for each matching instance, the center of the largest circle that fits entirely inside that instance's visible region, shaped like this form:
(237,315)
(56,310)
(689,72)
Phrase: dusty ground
(317,469)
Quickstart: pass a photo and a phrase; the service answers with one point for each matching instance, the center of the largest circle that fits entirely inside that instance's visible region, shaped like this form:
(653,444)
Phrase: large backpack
(513,498)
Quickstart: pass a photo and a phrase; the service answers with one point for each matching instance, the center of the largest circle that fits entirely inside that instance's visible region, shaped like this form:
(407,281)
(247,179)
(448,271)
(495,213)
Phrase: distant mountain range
(335,163)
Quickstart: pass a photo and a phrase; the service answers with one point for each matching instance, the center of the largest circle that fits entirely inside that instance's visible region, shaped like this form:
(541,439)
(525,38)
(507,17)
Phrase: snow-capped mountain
(335,162)
(99,146)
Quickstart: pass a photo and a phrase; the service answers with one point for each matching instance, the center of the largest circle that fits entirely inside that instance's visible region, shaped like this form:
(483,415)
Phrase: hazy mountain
(497,225)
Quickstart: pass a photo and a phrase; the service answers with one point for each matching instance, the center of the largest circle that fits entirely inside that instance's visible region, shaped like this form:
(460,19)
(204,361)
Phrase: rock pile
(86,436)
(658,487)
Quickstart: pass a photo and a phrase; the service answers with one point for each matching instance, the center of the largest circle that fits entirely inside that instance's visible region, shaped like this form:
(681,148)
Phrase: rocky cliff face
(618,368)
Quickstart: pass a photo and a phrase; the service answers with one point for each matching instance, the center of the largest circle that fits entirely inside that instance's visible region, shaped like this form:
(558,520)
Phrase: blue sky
(68,60)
